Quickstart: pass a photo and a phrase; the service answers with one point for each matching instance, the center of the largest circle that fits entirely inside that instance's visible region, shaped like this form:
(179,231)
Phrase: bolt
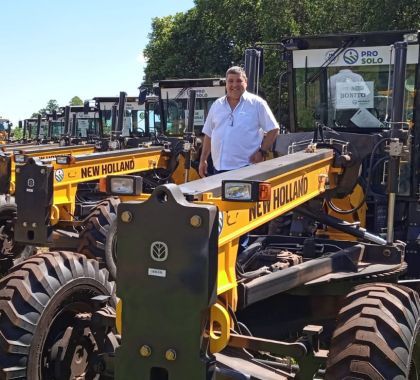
(126,216)
(24,224)
(145,351)
(170,354)
(387,252)
(195,221)
(99,367)
(17,170)
(33,225)
(42,171)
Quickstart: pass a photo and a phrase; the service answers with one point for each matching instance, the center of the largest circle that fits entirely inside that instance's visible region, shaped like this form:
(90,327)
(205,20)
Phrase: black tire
(111,250)
(376,335)
(11,252)
(42,299)
(94,237)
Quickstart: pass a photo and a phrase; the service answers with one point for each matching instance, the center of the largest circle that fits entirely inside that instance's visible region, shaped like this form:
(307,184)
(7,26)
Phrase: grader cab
(5,131)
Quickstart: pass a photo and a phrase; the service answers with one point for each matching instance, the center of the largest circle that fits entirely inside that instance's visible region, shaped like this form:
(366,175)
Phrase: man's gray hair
(236,70)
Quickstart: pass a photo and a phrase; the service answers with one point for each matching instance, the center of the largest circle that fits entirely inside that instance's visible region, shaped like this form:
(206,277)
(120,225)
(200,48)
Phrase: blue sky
(60,49)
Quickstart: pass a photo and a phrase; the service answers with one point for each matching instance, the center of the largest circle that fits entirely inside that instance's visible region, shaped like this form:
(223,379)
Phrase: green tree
(51,106)
(17,133)
(76,101)
(204,41)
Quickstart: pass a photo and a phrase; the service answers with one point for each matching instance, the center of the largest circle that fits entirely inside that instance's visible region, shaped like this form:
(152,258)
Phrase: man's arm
(205,152)
(269,139)
(266,145)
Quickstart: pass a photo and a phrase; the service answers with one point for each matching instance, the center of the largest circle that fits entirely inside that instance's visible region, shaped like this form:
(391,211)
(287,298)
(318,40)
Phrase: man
(240,128)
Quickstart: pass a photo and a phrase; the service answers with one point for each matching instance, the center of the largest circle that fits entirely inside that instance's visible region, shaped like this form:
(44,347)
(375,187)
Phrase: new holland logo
(59,175)
(31,182)
(159,251)
(221,222)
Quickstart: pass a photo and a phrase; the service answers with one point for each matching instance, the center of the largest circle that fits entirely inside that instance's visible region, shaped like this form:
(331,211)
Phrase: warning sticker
(157,272)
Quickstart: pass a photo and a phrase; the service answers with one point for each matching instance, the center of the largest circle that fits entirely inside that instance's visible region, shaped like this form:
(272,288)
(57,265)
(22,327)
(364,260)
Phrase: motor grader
(310,306)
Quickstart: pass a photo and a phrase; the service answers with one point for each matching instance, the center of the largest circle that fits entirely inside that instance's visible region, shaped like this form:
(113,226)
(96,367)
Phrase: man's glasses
(231,119)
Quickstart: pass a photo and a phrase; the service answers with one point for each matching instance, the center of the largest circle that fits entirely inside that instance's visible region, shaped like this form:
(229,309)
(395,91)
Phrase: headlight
(238,191)
(245,191)
(124,185)
(20,158)
(64,160)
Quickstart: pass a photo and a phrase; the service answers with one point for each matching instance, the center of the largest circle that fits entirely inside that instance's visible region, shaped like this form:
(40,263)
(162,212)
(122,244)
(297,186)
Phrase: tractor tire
(111,250)
(11,253)
(95,236)
(45,322)
(377,335)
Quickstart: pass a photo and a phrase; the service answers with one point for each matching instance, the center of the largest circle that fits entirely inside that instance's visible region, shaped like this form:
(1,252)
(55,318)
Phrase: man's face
(235,86)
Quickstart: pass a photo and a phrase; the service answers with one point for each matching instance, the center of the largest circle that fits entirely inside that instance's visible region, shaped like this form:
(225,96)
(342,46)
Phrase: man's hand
(202,168)
(266,145)
(258,156)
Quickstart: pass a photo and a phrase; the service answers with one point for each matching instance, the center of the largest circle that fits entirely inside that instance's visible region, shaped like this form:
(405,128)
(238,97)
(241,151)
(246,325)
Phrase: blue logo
(350,56)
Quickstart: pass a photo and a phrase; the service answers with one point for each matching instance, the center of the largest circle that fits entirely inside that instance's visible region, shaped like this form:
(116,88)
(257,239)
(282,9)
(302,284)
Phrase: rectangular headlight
(64,160)
(124,185)
(20,158)
(245,191)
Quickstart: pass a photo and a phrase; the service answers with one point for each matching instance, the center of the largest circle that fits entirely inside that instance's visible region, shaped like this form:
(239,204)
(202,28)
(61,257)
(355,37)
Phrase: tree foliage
(76,101)
(213,35)
(51,106)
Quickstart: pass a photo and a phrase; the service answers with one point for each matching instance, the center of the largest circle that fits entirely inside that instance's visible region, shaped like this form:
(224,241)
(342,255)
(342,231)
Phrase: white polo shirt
(236,135)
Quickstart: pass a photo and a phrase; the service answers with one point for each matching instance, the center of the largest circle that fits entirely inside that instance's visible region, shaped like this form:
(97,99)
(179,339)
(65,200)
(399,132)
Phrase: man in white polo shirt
(240,128)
